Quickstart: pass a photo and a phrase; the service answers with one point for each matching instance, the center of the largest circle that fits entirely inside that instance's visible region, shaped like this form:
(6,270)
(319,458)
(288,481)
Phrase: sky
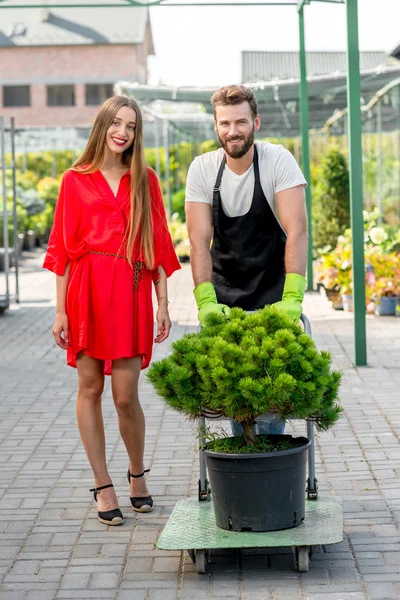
(201,46)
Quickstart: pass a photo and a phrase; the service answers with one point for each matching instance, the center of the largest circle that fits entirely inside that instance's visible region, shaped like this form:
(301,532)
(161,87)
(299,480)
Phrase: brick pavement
(53,547)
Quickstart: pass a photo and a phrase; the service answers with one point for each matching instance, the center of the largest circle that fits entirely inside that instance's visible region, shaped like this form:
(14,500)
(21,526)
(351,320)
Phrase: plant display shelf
(192,526)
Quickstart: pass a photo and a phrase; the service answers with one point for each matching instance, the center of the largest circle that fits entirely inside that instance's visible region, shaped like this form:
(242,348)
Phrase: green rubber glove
(292,297)
(206,300)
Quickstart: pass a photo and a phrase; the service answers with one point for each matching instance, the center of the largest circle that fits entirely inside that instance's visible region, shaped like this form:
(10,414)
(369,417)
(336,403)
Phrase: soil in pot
(260,491)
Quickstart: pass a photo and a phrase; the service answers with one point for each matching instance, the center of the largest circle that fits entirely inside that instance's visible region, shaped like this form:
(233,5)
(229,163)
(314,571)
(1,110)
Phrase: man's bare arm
(200,229)
(293,216)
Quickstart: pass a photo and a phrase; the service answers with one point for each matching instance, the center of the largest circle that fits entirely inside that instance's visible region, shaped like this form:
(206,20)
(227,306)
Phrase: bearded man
(248,199)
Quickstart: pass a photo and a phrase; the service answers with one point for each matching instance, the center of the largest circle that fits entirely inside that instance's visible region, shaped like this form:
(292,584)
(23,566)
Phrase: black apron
(247,252)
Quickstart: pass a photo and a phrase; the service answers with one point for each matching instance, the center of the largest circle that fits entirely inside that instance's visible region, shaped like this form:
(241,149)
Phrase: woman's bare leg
(124,381)
(91,427)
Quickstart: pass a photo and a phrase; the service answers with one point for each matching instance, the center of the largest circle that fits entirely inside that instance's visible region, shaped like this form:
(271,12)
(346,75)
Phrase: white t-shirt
(278,171)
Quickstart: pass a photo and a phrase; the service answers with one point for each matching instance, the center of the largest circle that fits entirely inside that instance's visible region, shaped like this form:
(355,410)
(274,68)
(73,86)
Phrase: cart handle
(306,323)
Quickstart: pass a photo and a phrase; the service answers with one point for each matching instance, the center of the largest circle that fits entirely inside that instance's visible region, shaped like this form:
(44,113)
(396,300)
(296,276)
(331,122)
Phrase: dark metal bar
(5,212)
(305,146)
(202,460)
(15,223)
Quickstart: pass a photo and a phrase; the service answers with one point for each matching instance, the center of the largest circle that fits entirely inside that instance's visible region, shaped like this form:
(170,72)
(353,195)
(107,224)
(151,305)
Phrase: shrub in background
(331,199)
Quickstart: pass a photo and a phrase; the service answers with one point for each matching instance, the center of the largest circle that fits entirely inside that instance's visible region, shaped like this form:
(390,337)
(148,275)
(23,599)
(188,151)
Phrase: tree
(331,200)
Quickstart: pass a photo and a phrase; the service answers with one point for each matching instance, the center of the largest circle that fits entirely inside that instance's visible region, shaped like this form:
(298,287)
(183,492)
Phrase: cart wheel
(192,554)
(301,556)
(2,309)
(201,561)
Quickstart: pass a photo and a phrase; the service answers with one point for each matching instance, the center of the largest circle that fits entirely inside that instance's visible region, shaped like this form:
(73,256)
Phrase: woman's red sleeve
(56,258)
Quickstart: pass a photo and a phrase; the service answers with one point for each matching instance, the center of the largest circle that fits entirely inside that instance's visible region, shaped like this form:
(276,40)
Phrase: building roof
(72,26)
(266,66)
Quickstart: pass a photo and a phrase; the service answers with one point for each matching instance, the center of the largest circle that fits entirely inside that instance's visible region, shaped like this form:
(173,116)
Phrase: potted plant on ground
(333,271)
(245,367)
(334,267)
(383,287)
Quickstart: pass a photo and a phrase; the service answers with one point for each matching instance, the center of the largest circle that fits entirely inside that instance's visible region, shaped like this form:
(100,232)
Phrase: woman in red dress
(108,244)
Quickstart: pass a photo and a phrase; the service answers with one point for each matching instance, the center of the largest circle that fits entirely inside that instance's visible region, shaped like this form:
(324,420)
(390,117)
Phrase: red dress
(109,303)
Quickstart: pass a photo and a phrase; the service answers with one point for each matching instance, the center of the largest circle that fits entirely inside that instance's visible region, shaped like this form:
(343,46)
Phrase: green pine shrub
(247,366)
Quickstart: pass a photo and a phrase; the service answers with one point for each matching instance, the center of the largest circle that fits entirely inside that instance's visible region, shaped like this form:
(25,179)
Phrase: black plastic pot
(260,491)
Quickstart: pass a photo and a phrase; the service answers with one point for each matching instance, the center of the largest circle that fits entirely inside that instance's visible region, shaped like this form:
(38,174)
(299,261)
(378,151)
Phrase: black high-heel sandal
(144,504)
(108,517)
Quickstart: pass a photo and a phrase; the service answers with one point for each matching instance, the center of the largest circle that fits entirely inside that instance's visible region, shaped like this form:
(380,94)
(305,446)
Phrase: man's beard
(239,150)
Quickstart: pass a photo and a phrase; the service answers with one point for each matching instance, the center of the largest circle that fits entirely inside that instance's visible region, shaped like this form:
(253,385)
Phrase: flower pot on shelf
(30,240)
(386,306)
(347,300)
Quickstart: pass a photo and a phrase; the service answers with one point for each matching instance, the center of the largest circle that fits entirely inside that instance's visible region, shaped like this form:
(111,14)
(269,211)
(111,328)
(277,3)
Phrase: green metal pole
(398,143)
(379,162)
(305,147)
(356,181)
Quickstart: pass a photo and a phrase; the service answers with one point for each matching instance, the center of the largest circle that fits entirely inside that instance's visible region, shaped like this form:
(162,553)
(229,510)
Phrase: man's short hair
(234,94)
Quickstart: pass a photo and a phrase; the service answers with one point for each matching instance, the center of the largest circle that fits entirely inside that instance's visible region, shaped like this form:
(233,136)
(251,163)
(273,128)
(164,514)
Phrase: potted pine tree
(244,367)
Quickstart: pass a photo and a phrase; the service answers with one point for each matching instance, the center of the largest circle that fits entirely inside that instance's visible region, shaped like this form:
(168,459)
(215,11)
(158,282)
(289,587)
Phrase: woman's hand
(61,327)
(163,321)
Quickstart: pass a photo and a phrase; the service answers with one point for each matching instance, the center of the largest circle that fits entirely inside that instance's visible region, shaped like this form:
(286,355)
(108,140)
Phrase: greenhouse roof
(278,100)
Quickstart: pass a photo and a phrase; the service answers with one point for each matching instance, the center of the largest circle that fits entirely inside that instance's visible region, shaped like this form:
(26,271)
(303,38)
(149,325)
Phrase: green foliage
(38,223)
(178,230)
(27,180)
(30,200)
(331,199)
(22,220)
(43,164)
(247,366)
(381,253)
(48,189)
(178,203)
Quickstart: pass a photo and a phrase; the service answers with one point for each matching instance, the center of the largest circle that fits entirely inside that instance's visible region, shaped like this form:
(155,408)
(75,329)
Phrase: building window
(60,95)
(97,93)
(16,95)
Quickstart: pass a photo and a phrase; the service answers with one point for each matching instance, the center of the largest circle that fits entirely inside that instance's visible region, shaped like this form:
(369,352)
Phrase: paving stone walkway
(52,545)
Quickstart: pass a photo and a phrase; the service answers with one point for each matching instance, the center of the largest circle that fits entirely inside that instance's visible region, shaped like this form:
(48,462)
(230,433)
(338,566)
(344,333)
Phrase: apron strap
(216,194)
(256,169)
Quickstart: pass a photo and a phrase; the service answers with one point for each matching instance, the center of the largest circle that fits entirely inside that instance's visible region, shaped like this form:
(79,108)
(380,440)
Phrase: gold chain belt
(137,266)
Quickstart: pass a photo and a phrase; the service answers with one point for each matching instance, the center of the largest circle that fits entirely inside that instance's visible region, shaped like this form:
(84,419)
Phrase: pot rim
(252,455)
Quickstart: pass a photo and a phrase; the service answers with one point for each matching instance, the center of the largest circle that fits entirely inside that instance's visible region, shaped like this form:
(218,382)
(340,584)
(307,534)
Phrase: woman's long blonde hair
(140,223)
